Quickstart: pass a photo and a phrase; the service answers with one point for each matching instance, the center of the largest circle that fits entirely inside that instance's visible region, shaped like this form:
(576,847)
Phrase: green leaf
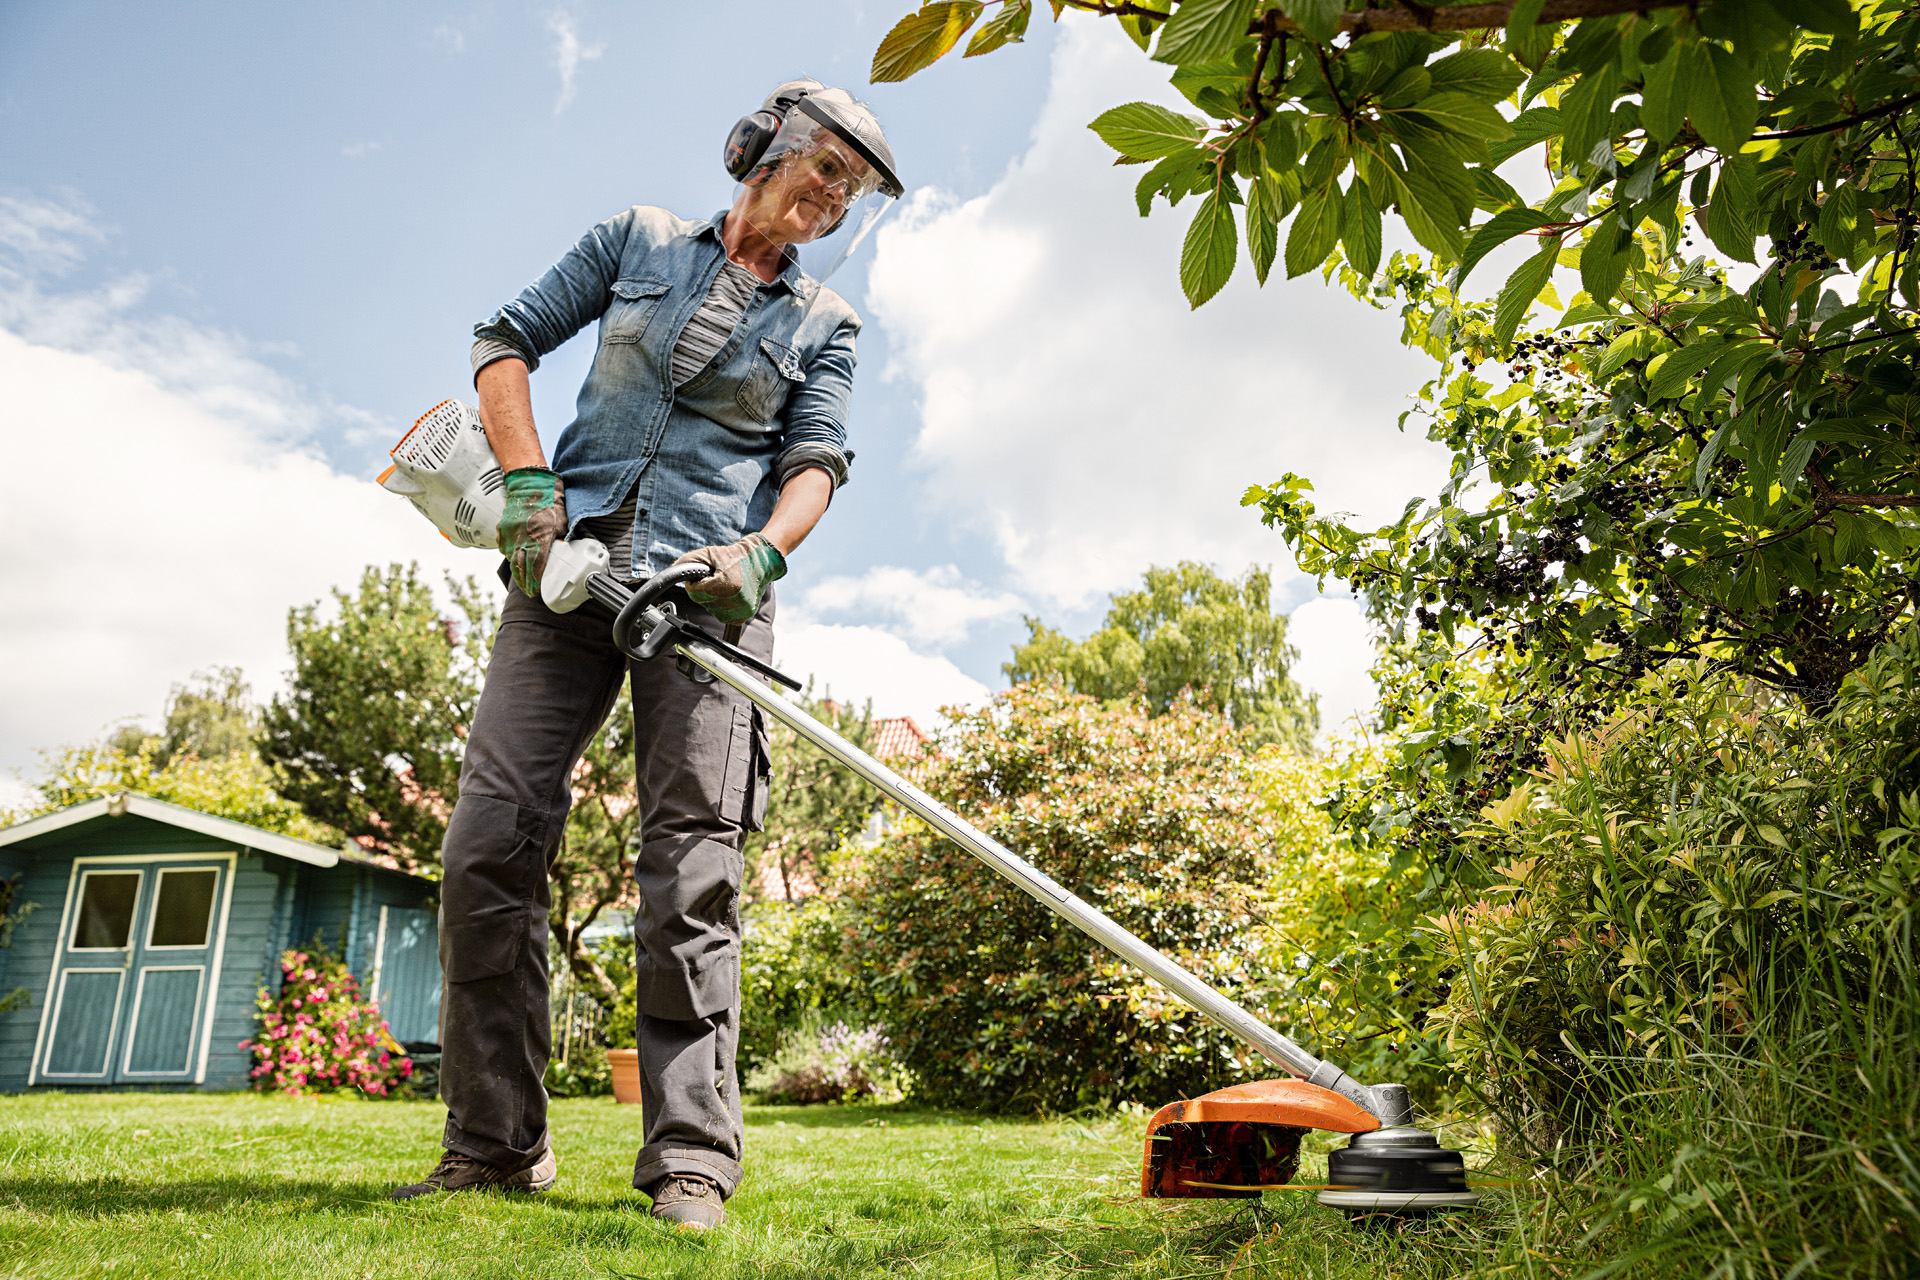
(1663,104)
(1439,231)
(1730,217)
(1670,375)
(1317,19)
(1529,39)
(918,40)
(1720,98)
(1406,88)
(1145,131)
(1534,125)
(1605,257)
(1360,230)
(1829,17)
(1140,30)
(1172,176)
(1483,73)
(1463,113)
(1202,30)
(1315,230)
(1586,114)
(1493,233)
(1492,192)
(1263,226)
(1437,180)
(1837,220)
(1212,245)
(1631,345)
(1009,26)
(1521,288)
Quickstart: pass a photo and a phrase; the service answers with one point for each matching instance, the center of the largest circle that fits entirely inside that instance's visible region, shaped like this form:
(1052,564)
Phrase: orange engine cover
(1233,1142)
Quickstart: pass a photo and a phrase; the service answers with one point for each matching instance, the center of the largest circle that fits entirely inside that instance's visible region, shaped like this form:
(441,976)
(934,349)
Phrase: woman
(711,428)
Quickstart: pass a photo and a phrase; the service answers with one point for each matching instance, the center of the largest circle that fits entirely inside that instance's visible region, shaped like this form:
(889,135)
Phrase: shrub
(993,1001)
(817,1062)
(790,971)
(1352,972)
(1695,986)
(317,1034)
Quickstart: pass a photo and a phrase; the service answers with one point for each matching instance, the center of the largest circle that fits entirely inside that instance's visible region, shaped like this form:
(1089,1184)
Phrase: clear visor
(811,189)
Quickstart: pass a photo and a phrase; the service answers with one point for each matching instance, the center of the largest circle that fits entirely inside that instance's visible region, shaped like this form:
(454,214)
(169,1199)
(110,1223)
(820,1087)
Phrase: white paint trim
(227,858)
(219,967)
(67,907)
(177,816)
(379,956)
(113,1026)
(153,914)
(133,920)
(133,1018)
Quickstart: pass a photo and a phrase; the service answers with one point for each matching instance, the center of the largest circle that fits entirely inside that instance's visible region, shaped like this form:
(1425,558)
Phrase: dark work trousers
(700,760)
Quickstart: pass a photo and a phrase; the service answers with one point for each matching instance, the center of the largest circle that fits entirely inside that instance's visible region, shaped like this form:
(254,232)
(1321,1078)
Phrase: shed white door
(135,972)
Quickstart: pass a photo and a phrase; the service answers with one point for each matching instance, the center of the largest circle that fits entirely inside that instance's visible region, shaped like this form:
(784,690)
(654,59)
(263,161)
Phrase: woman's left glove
(536,514)
(741,573)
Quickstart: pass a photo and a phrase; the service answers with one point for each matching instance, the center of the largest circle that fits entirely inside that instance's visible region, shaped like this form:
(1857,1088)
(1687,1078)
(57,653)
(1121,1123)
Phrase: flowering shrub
(837,1063)
(318,1034)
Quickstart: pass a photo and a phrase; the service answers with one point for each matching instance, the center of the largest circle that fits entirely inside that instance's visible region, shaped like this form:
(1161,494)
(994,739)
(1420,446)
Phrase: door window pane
(106,908)
(183,909)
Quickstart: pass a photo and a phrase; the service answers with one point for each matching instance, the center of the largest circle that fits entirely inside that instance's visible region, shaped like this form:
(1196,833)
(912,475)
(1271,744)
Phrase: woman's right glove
(535,514)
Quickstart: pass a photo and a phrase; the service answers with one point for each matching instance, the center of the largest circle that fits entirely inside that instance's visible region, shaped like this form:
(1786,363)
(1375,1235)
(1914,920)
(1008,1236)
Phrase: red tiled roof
(899,737)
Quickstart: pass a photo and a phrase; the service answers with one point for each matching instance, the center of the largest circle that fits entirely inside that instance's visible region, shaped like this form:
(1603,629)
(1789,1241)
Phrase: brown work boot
(457,1172)
(689,1202)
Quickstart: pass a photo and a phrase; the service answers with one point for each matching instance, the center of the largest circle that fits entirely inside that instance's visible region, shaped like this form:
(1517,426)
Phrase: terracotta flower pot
(626,1074)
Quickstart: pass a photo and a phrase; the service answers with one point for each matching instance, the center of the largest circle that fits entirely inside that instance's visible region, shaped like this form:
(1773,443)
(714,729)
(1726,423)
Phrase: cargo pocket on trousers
(744,792)
(478,949)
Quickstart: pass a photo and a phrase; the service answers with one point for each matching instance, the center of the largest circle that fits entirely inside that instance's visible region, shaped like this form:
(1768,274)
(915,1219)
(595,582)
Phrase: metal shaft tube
(1041,887)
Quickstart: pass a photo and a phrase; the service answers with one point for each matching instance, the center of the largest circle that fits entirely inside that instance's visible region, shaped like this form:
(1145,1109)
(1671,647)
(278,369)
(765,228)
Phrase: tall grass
(1690,997)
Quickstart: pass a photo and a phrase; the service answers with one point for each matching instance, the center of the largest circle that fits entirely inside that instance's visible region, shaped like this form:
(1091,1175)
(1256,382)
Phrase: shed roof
(206,824)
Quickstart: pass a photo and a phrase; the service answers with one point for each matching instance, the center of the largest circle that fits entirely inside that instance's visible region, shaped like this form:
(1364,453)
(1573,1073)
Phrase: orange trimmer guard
(1234,1142)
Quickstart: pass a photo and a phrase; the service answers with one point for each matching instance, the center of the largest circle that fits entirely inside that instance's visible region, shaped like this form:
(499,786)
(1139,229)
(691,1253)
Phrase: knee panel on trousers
(688,961)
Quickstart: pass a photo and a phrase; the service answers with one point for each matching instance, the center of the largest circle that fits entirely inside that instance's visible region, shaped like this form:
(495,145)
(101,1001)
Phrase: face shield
(823,183)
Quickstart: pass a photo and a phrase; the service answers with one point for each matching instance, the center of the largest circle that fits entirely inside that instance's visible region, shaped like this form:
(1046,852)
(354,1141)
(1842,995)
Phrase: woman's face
(806,194)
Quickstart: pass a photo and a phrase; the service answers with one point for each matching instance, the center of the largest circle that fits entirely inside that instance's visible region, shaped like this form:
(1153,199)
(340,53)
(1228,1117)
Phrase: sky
(242,247)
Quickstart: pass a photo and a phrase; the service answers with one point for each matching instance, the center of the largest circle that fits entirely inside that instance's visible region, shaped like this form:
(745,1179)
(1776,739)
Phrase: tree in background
(203,758)
(1670,466)
(212,716)
(1187,628)
(814,803)
(368,737)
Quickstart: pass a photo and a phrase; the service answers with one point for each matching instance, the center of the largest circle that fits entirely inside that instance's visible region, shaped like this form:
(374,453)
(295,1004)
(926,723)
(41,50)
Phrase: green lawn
(197,1185)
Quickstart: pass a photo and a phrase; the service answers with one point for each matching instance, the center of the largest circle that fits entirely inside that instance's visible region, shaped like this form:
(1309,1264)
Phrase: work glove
(536,514)
(740,573)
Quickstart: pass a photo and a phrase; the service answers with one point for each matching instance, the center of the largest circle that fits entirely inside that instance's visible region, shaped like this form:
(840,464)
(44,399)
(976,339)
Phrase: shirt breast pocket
(634,302)
(773,374)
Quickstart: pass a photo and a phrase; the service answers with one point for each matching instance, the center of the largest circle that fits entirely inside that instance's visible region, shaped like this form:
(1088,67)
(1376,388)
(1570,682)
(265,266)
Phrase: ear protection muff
(753,134)
(749,141)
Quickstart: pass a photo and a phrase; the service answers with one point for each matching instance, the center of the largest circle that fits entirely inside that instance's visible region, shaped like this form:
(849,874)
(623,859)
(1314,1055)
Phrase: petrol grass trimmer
(1234,1142)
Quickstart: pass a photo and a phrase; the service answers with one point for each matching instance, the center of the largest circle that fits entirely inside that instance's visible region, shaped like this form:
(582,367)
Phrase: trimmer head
(1236,1142)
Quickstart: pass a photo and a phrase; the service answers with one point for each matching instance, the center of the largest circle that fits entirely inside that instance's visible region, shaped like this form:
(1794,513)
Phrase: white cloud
(1077,412)
(359,150)
(937,606)
(1336,649)
(168,510)
(52,235)
(568,54)
(856,663)
(450,38)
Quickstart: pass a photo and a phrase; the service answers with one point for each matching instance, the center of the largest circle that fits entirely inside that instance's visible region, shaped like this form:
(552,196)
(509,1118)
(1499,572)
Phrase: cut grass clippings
(156,1185)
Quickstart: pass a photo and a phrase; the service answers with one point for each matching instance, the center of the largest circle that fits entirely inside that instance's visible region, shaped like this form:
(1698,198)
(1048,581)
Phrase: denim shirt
(709,456)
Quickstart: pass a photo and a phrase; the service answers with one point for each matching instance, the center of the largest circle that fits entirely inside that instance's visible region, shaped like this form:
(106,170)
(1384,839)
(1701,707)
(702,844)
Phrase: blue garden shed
(156,925)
